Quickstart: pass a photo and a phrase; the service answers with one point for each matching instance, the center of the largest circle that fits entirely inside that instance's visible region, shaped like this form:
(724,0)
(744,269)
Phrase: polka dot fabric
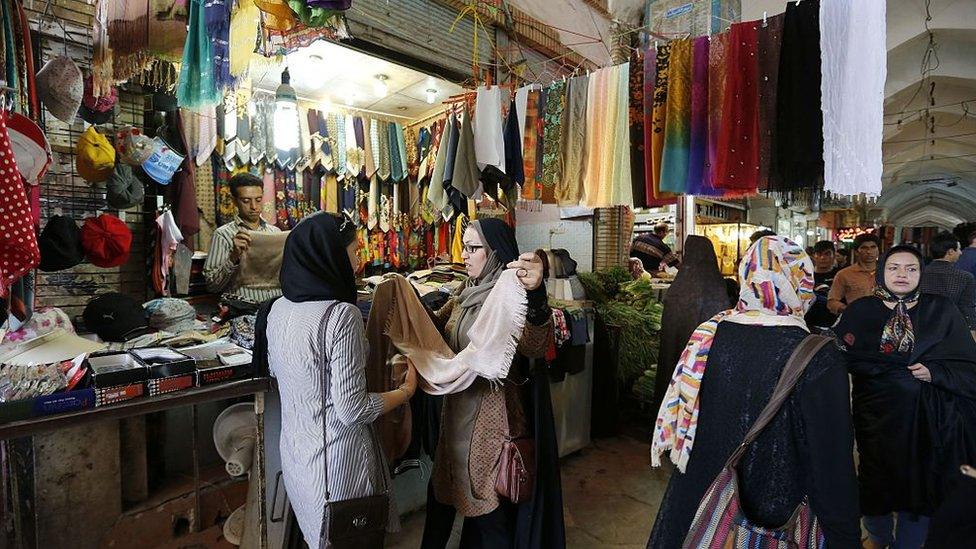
(18,240)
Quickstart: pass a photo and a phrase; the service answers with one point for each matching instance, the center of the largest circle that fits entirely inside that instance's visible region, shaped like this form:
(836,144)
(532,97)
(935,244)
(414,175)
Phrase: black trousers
(496,530)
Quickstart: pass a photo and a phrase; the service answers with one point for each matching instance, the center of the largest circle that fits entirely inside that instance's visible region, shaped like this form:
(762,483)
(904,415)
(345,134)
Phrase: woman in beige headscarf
(476,422)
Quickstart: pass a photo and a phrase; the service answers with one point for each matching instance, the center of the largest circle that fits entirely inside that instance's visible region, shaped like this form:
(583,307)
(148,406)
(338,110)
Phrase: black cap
(60,244)
(115,317)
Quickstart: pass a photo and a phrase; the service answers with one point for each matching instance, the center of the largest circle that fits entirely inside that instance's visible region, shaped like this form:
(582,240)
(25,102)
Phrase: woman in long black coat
(913,363)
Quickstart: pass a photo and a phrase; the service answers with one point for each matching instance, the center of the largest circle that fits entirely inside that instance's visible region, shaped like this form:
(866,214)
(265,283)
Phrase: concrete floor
(610,498)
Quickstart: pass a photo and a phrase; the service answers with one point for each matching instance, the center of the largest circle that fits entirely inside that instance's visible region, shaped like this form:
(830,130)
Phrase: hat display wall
(133,146)
(94,156)
(60,88)
(60,244)
(32,152)
(124,190)
(106,240)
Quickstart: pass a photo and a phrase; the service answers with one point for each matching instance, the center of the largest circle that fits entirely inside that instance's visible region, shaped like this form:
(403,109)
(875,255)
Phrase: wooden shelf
(136,407)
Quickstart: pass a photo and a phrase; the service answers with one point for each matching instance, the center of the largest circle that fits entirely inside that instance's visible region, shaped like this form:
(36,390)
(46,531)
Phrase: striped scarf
(777,290)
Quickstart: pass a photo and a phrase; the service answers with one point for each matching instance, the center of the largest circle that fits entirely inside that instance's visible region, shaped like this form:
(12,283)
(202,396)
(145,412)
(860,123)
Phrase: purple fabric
(357,124)
(217,23)
(698,150)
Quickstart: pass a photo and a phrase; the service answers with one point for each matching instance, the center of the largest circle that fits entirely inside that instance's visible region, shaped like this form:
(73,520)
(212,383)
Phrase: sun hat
(32,152)
(55,346)
(60,244)
(60,88)
(133,147)
(123,189)
(94,156)
(106,240)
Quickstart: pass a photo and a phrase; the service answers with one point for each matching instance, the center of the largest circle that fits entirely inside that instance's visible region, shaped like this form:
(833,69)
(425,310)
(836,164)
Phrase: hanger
(764,23)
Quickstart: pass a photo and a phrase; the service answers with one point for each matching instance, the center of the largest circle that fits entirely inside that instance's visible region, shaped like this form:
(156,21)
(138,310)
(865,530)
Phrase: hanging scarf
(217,14)
(738,142)
(718,50)
(552,137)
(197,86)
(402,149)
(386,161)
(777,290)
(636,124)
(659,117)
(369,154)
(677,133)
(698,144)
(397,172)
(531,190)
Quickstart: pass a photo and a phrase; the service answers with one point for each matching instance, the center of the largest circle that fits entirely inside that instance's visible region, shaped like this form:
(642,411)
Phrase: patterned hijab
(777,290)
(898,335)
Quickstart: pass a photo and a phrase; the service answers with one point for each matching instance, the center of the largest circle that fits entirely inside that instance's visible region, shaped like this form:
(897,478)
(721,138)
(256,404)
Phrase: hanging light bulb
(286,115)
(431,96)
(380,89)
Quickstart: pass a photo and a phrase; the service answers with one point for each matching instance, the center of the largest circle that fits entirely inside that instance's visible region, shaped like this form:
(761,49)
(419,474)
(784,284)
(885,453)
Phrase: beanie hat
(123,189)
(133,147)
(31,149)
(60,88)
(60,244)
(94,156)
(106,240)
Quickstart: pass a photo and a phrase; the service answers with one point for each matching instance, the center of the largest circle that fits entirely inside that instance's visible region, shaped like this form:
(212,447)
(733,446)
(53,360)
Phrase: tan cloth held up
(494,336)
(261,264)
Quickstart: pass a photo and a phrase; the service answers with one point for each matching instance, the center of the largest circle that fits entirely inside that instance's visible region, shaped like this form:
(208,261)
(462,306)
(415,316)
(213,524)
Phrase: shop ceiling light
(286,114)
(431,96)
(380,89)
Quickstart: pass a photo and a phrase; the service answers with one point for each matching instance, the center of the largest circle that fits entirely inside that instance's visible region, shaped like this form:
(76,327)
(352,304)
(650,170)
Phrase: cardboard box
(113,369)
(164,362)
(172,384)
(18,410)
(221,373)
(120,393)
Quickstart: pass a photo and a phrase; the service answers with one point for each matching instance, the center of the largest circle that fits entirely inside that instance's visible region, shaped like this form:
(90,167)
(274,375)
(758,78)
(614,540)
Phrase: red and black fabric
(738,150)
(636,116)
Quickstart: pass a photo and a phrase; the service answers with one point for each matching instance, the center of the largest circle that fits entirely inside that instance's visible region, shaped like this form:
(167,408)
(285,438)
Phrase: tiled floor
(610,493)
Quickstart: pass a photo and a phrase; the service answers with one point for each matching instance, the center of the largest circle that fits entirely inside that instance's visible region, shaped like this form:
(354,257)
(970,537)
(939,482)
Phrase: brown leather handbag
(516,470)
(354,523)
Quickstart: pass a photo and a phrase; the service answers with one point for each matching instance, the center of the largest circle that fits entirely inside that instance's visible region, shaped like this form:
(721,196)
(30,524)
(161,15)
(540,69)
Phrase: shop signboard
(690,17)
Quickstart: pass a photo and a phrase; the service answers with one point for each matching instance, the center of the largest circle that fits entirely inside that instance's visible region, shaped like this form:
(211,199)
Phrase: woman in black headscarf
(476,422)
(313,341)
(698,293)
(913,364)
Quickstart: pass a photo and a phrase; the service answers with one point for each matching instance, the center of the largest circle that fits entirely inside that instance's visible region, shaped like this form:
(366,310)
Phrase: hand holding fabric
(242,241)
(920,372)
(529,270)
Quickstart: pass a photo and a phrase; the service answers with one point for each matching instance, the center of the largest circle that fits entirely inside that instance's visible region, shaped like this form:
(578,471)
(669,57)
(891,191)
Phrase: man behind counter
(652,251)
(231,242)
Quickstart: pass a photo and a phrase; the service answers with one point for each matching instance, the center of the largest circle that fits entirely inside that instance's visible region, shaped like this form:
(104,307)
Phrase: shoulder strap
(795,366)
(326,375)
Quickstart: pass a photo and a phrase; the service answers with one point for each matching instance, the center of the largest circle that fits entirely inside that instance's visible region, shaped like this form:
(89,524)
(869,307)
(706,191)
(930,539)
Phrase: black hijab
(899,332)
(499,238)
(314,267)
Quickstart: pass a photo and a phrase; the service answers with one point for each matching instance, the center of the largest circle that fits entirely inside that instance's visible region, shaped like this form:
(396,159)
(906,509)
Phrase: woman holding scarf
(913,364)
(471,426)
(724,379)
(314,343)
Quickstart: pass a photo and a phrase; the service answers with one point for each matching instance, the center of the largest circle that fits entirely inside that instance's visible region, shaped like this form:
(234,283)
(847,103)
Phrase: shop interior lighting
(380,88)
(286,114)
(431,96)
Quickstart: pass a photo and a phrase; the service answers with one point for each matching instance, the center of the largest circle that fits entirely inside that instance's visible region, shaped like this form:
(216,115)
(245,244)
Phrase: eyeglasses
(471,249)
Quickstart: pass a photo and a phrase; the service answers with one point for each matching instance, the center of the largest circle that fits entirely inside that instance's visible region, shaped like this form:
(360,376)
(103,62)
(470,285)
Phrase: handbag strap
(326,384)
(795,366)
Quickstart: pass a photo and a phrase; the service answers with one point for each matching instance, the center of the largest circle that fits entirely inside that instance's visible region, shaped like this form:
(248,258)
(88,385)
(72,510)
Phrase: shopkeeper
(652,251)
(232,241)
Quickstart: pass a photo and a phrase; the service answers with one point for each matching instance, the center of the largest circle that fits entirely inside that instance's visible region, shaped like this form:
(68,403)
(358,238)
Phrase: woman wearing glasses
(475,423)
(313,341)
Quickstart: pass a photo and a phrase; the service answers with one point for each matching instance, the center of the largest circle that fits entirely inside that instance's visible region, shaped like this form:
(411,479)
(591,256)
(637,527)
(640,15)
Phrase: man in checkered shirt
(941,277)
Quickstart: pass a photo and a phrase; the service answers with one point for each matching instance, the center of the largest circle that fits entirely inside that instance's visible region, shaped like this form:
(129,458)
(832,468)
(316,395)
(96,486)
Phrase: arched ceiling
(930,155)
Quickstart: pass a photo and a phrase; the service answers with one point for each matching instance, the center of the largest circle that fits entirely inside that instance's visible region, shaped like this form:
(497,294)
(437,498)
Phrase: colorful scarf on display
(718,50)
(402,150)
(197,86)
(338,122)
(217,13)
(226,210)
(738,144)
(659,118)
(493,337)
(596,136)
(269,206)
(411,138)
(770,41)
(369,155)
(386,160)
(677,133)
(777,290)
(532,189)
(569,190)
(636,121)
(397,169)
(618,188)
(552,143)
(899,334)
(698,144)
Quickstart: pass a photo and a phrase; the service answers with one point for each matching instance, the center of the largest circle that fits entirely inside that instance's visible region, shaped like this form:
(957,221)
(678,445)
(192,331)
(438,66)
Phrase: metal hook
(764,20)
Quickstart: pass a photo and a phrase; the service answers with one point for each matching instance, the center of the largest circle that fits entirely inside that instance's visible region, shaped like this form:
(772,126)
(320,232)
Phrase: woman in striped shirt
(316,326)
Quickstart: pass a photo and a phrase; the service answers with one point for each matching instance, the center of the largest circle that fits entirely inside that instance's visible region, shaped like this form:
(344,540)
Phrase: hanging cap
(60,244)
(94,156)
(60,88)
(133,146)
(106,240)
(124,190)
(31,149)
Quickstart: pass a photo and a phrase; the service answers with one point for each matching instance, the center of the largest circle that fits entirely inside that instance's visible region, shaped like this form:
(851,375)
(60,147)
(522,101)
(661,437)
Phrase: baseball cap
(115,317)
(94,156)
